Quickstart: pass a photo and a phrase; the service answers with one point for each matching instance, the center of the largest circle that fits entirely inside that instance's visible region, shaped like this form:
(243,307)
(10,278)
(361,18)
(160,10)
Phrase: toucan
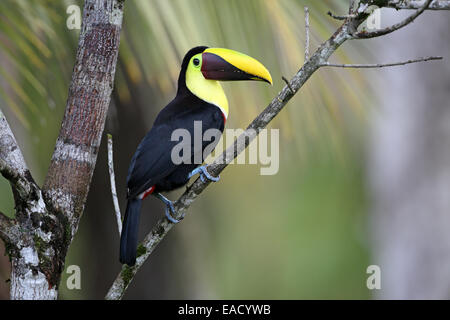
(199,97)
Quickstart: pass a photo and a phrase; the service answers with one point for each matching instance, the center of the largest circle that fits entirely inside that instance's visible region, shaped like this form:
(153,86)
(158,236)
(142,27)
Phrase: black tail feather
(130,228)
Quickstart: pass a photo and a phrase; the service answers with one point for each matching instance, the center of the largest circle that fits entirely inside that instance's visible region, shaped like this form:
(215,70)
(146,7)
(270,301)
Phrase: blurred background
(364,154)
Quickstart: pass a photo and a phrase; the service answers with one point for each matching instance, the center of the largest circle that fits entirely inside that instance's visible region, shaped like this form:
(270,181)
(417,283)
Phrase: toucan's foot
(204,174)
(170,210)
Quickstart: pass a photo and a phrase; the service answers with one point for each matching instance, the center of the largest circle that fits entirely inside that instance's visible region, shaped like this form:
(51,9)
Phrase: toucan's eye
(196,62)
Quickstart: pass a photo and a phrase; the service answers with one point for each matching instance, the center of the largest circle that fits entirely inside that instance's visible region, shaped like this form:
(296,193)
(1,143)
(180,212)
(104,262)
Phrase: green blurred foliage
(298,234)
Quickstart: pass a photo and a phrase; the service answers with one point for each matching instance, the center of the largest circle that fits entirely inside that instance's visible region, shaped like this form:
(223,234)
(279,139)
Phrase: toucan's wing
(153,158)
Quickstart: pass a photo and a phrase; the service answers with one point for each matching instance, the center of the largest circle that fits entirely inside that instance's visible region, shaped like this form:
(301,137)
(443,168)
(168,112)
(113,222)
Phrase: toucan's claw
(170,210)
(204,174)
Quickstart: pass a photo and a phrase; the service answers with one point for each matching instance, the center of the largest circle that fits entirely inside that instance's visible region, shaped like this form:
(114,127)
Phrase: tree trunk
(49,219)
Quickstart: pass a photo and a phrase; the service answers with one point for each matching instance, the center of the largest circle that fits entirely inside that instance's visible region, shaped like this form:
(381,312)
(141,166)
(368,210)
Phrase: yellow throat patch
(210,91)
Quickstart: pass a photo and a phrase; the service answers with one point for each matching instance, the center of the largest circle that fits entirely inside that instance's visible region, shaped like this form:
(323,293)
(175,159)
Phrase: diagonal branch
(395,27)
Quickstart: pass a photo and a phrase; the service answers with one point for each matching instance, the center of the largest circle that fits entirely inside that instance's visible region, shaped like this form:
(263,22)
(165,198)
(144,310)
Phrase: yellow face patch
(208,90)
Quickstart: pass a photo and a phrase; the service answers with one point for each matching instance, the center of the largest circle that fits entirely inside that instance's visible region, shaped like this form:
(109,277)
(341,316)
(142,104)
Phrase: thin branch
(288,84)
(306,33)
(380,65)
(163,226)
(435,5)
(112,179)
(344,17)
(395,27)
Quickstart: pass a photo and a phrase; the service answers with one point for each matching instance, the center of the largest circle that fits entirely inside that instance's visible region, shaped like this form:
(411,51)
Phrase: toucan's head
(224,65)
(203,67)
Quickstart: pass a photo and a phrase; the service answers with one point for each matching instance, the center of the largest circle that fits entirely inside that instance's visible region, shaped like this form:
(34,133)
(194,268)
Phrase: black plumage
(152,165)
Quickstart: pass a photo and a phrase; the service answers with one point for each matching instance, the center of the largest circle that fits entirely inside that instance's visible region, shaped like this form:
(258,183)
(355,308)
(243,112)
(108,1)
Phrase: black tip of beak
(265,80)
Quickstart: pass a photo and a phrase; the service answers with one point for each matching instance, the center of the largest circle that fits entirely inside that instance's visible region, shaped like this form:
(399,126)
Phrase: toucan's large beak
(229,65)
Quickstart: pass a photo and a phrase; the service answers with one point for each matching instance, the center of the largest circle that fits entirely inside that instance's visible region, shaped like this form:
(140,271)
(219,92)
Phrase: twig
(306,33)
(344,17)
(112,179)
(379,65)
(435,5)
(395,27)
(288,84)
